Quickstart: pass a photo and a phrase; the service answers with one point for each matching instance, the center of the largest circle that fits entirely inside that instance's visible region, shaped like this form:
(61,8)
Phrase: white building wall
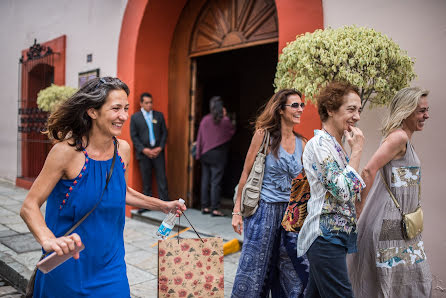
(91,27)
(419,27)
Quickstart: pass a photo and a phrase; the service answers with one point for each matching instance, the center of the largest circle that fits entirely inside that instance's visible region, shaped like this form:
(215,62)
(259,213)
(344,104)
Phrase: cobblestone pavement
(7,290)
(19,252)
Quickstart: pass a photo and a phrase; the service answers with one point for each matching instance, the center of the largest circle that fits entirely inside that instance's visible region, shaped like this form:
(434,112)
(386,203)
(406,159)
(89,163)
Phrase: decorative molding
(227,24)
(36,51)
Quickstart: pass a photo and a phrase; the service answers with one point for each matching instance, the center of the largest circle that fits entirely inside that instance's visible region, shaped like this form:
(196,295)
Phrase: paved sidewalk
(19,252)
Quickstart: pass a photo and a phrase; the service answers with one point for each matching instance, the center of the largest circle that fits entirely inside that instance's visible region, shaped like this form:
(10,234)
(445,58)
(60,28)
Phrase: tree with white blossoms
(50,97)
(361,56)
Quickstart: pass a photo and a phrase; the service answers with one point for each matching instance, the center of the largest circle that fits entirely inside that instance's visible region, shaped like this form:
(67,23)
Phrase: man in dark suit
(149,133)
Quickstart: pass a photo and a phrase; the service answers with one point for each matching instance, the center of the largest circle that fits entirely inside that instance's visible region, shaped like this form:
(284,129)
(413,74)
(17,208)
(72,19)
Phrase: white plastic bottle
(168,223)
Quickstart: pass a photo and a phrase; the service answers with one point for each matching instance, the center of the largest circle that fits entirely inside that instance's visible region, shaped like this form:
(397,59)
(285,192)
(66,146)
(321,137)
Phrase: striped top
(334,187)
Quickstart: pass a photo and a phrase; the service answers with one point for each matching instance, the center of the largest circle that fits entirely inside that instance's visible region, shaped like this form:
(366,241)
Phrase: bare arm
(256,142)
(393,147)
(53,170)
(137,199)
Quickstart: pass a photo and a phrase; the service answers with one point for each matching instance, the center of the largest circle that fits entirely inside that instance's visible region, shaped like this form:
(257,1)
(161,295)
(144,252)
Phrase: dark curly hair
(331,97)
(71,121)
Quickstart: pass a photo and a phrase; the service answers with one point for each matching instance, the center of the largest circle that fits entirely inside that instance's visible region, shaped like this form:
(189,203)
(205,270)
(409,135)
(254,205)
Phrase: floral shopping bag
(190,268)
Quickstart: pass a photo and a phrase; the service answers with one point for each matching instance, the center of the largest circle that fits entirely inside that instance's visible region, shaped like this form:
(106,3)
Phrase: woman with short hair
(329,231)
(387,264)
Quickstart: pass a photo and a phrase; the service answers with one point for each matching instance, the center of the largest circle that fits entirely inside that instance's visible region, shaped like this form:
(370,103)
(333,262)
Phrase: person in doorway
(84,129)
(149,134)
(268,262)
(214,134)
(329,230)
(387,264)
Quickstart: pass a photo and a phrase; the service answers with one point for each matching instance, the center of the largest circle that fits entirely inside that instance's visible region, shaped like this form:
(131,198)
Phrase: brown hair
(270,118)
(331,97)
(71,121)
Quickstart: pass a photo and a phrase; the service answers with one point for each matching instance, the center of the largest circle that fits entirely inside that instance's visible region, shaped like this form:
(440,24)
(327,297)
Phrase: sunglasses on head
(296,105)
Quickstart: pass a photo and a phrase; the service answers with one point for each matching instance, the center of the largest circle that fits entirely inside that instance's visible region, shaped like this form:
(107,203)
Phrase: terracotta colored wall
(143,58)
(145,40)
(297,17)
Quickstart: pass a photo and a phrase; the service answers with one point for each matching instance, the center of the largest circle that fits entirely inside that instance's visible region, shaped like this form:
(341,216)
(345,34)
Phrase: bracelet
(237,213)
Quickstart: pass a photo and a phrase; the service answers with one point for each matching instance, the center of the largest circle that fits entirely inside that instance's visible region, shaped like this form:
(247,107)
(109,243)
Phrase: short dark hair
(331,97)
(145,94)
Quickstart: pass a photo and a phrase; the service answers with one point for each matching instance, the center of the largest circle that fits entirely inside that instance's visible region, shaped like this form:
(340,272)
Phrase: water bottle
(168,223)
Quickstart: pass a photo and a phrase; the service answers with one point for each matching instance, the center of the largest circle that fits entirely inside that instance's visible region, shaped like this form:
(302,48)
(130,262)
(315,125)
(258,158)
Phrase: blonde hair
(403,104)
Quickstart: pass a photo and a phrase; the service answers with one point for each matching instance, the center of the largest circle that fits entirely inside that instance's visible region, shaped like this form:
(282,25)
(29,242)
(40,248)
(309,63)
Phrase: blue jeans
(328,270)
(268,262)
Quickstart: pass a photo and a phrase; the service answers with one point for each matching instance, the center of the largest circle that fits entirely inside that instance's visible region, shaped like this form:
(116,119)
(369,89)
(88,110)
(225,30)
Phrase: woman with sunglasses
(268,261)
(84,130)
(387,264)
(329,230)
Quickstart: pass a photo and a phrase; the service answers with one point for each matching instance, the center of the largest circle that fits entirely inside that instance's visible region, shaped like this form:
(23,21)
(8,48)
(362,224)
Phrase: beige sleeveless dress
(386,265)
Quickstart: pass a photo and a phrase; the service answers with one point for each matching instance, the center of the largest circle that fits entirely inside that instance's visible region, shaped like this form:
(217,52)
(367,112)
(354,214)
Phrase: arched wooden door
(206,27)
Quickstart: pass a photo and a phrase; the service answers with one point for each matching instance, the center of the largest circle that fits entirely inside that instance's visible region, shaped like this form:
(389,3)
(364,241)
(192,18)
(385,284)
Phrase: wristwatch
(237,213)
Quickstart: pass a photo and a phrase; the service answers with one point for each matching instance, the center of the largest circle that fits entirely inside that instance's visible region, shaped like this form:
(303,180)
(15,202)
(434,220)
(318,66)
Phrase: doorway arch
(152,56)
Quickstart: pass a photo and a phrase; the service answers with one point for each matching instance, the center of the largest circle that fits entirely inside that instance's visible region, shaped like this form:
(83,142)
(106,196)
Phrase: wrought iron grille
(36,72)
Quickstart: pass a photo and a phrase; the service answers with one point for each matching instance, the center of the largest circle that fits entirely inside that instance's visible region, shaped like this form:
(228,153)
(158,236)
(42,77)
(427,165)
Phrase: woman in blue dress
(268,262)
(84,129)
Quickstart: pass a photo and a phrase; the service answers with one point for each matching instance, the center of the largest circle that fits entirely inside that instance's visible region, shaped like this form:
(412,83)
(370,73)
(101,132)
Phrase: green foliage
(361,56)
(50,97)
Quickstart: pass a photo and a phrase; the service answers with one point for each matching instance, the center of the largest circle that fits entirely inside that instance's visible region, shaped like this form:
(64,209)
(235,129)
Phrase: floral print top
(279,172)
(334,188)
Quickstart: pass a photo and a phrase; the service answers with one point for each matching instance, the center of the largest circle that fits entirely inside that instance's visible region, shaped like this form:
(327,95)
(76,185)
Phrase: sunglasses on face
(296,105)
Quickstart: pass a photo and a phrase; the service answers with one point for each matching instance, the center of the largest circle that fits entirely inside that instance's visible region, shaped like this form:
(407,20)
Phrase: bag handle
(393,197)
(179,220)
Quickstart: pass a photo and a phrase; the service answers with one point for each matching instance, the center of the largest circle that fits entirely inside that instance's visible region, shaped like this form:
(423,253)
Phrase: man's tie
(151,134)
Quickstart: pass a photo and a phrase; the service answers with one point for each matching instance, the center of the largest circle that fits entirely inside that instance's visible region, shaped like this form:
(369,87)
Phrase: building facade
(183,52)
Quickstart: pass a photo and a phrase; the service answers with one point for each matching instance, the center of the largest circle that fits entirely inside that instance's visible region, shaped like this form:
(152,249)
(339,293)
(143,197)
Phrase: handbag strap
(264,147)
(393,197)
(115,141)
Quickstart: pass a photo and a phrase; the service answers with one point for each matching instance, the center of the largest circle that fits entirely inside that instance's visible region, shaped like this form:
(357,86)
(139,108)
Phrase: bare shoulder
(259,134)
(63,152)
(64,160)
(397,138)
(124,150)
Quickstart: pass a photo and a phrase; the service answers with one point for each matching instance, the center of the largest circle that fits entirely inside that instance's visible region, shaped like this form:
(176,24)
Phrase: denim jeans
(328,270)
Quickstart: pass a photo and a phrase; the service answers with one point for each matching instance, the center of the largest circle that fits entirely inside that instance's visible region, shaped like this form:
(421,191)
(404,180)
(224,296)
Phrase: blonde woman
(386,264)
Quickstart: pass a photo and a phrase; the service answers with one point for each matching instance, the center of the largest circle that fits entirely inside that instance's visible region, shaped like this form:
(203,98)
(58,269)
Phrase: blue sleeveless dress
(100,271)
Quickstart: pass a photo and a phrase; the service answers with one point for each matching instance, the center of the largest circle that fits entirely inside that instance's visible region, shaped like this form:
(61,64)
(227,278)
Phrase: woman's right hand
(355,138)
(63,245)
(237,223)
